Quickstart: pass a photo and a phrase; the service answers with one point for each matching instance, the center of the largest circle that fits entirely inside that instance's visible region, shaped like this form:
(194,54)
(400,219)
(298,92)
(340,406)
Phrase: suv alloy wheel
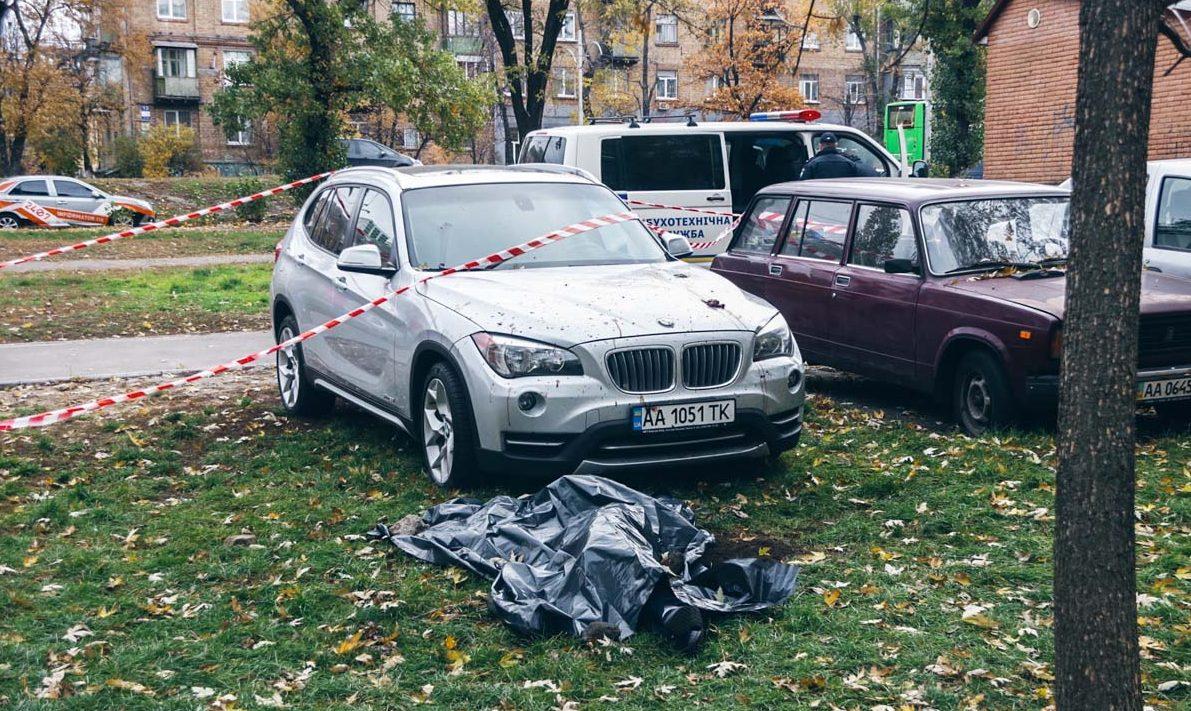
(447,430)
(298,394)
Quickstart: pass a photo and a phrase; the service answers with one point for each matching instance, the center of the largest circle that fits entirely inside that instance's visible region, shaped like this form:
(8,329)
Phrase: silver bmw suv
(595,353)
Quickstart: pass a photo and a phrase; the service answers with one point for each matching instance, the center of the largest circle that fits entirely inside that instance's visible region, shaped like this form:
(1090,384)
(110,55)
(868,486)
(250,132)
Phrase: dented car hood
(567,306)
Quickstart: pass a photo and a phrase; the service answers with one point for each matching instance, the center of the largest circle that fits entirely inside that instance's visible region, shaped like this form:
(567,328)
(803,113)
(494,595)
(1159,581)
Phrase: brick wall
(1029,114)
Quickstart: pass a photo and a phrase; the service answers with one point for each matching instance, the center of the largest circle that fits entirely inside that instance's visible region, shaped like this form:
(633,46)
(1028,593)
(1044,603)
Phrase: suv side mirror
(677,245)
(920,169)
(900,266)
(364,259)
(96,195)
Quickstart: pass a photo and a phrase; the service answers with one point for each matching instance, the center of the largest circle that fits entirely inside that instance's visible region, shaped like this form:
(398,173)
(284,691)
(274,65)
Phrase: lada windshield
(995,233)
(450,225)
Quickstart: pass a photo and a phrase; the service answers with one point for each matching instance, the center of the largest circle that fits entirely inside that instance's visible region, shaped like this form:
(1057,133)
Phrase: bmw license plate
(1168,389)
(651,418)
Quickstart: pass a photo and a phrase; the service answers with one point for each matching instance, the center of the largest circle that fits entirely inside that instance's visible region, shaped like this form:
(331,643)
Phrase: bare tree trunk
(1096,652)
(645,33)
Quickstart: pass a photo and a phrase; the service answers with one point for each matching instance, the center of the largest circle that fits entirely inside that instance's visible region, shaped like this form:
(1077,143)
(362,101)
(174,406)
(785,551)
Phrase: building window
(403,11)
(854,89)
(171,9)
(232,57)
(564,83)
(176,119)
(175,62)
(914,85)
(516,23)
(810,41)
(235,10)
(808,84)
(567,33)
(714,83)
(410,138)
(667,85)
(459,24)
(666,29)
(471,65)
(243,137)
(852,42)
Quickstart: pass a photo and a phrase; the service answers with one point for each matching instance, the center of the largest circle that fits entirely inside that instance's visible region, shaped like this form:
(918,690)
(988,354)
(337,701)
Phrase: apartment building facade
(194,41)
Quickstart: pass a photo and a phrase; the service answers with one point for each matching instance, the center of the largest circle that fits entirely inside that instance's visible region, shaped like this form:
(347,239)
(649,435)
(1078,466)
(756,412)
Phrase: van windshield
(447,226)
(987,234)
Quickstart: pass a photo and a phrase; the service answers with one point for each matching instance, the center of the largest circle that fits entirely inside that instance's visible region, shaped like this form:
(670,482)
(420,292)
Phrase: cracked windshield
(1018,232)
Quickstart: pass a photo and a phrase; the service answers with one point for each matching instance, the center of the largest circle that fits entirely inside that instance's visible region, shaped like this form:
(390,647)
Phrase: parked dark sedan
(363,151)
(947,286)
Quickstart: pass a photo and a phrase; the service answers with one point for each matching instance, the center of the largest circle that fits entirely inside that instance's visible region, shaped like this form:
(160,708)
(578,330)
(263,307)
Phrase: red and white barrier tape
(659,206)
(171,222)
(52,416)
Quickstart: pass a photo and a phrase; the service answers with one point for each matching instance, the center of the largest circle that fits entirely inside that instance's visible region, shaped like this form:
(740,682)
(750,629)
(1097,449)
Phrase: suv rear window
(694,162)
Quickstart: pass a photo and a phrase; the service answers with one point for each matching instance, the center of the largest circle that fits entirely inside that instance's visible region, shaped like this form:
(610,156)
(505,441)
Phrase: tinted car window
(30,187)
(535,150)
(882,233)
(859,151)
(69,188)
(375,225)
(1172,229)
(760,159)
(759,230)
(312,212)
(818,230)
(693,162)
(331,232)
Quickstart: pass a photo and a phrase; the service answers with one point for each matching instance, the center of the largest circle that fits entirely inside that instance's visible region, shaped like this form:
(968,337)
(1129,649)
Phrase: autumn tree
(30,80)
(317,60)
(632,24)
(1095,586)
(748,55)
(527,58)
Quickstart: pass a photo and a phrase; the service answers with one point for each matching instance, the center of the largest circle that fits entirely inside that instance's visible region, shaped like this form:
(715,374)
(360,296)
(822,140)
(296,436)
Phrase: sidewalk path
(46,361)
(86,265)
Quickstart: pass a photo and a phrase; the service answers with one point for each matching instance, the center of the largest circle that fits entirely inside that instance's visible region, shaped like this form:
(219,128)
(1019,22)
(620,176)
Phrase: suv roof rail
(630,119)
(689,117)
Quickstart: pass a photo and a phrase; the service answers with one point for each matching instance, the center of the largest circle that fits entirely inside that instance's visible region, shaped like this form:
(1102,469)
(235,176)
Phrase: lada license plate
(1168,389)
(651,418)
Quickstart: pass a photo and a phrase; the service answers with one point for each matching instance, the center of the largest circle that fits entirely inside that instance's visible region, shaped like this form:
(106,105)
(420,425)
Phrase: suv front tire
(446,428)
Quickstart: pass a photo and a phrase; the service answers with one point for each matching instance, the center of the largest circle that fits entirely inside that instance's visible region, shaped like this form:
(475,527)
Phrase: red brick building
(1029,111)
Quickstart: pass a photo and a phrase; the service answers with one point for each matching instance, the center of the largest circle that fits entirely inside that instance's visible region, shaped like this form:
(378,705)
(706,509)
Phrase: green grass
(55,305)
(121,528)
(174,242)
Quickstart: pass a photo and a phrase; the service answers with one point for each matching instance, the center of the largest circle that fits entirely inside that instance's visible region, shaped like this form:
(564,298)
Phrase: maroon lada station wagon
(949,287)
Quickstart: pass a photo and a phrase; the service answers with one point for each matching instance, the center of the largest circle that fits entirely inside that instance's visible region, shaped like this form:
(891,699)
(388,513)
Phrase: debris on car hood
(593,557)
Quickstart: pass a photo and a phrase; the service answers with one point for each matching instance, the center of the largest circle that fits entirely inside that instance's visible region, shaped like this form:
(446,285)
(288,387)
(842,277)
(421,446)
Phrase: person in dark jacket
(830,162)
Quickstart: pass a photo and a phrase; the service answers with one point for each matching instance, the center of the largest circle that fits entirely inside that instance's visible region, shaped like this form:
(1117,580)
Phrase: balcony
(463,44)
(176,90)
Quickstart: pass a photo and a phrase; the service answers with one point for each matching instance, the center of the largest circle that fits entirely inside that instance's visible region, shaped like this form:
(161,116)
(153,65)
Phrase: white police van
(716,167)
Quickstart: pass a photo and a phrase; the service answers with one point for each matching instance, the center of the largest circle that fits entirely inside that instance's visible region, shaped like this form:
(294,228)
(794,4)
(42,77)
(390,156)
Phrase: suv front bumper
(583,423)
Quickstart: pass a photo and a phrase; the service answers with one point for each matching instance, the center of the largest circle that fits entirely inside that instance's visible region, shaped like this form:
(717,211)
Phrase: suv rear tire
(446,428)
(981,398)
(299,396)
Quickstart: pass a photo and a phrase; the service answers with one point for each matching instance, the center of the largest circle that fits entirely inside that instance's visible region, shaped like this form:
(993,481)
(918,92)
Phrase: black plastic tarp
(590,556)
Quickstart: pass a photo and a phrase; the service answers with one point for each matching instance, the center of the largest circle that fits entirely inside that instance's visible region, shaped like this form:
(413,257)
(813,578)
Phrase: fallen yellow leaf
(831,597)
(350,643)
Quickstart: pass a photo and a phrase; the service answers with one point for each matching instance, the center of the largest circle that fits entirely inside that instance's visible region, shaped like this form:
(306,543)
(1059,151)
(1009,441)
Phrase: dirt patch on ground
(746,544)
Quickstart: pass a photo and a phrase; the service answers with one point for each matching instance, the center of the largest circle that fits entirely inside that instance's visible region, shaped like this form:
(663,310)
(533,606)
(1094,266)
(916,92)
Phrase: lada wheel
(446,429)
(981,398)
(298,394)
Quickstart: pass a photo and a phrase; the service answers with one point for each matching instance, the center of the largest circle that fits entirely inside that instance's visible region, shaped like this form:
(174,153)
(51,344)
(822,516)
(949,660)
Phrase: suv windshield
(450,225)
(977,234)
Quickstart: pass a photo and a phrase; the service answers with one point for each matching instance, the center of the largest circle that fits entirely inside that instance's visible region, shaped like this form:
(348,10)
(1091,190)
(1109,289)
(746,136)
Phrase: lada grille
(708,365)
(642,370)
(1164,340)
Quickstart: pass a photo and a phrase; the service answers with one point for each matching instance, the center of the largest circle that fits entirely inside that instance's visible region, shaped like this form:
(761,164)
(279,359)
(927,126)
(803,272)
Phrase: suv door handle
(775,269)
(715,198)
(842,280)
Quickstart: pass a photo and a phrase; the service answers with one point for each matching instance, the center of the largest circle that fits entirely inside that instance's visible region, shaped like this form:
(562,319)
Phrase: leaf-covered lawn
(173,242)
(215,558)
(42,306)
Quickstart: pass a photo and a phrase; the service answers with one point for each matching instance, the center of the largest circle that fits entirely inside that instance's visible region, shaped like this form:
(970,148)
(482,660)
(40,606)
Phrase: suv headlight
(773,340)
(518,358)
